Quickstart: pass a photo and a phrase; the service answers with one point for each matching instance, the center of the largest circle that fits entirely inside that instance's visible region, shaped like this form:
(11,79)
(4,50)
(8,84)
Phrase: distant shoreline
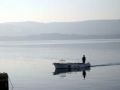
(57,37)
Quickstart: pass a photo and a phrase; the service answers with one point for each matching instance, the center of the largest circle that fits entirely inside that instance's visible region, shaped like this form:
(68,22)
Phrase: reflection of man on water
(83,59)
(84,74)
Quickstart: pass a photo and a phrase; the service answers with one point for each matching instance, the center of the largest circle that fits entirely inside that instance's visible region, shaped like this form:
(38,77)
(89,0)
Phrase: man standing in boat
(83,59)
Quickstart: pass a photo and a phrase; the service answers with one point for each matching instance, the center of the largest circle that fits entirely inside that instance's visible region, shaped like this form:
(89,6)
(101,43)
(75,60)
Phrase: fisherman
(83,59)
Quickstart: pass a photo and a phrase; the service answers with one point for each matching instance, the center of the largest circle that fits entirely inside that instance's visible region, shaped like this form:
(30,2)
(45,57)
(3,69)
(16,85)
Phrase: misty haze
(59,44)
(97,29)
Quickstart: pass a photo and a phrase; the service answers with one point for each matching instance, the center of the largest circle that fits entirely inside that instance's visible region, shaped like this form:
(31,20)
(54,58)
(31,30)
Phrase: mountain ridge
(91,28)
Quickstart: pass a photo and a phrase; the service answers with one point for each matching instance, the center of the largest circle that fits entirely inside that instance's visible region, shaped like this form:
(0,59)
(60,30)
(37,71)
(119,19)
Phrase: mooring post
(4,85)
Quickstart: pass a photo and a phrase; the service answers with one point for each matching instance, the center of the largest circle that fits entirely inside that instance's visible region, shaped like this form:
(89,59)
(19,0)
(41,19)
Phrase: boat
(71,65)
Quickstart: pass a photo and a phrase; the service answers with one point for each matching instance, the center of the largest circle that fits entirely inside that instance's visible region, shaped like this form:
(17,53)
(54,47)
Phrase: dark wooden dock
(4,85)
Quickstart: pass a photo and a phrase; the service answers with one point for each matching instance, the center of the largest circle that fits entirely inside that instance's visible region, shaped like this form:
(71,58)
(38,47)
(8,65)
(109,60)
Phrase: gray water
(29,64)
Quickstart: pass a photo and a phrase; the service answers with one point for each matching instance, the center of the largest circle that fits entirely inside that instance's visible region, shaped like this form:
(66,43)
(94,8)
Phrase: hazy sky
(58,10)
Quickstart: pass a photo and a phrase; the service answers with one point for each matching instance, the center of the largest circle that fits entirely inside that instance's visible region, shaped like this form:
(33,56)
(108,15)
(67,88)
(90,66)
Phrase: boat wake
(108,64)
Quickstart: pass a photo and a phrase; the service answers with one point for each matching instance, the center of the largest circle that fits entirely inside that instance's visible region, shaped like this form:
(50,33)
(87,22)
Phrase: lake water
(29,64)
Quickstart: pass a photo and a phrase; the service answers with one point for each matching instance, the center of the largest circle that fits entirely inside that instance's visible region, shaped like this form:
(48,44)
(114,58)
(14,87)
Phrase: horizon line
(57,21)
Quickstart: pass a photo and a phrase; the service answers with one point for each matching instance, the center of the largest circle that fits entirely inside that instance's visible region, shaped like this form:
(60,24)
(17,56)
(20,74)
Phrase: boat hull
(71,65)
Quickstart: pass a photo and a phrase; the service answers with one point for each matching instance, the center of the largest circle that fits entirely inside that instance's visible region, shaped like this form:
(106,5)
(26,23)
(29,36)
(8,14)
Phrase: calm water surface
(29,64)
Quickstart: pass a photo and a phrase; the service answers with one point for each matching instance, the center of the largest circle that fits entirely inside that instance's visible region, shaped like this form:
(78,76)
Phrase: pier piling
(4,85)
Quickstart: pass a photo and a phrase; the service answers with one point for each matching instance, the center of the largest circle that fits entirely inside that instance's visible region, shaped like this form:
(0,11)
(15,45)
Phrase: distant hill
(60,30)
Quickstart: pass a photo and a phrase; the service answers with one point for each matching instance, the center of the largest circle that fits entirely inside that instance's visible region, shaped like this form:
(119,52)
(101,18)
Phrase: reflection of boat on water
(71,65)
(59,71)
(67,70)
(4,85)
